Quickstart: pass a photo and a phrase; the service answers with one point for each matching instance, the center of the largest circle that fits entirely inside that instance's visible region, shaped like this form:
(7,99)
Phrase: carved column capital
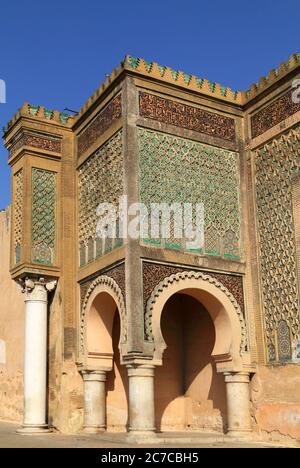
(36,288)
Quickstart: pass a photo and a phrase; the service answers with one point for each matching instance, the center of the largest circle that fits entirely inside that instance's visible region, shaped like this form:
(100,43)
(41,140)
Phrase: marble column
(141,399)
(35,354)
(238,403)
(94,401)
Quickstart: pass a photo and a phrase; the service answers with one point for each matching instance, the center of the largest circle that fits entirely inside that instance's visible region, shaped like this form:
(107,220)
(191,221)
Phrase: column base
(246,434)
(93,429)
(32,429)
(142,437)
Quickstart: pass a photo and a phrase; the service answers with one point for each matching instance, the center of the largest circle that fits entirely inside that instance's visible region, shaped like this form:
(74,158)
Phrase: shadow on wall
(189,394)
(117,386)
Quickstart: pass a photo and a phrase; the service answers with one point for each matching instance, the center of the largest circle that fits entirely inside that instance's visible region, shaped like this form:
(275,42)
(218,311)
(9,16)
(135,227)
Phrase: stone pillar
(94,401)
(141,399)
(35,355)
(238,403)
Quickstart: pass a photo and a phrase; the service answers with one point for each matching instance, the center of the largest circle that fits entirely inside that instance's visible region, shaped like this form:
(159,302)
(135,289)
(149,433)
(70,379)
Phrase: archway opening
(189,393)
(103,353)
(117,386)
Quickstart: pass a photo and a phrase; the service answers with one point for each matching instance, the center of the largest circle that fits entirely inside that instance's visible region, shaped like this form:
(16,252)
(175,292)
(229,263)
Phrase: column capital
(36,288)
(93,375)
(140,370)
(237,377)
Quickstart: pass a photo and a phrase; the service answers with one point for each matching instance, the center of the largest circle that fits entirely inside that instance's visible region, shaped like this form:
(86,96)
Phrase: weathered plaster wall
(11,332)
(275,397)
(65,396)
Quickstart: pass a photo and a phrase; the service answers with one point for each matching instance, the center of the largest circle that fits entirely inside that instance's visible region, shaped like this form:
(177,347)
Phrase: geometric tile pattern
(43,226)
(177,170)
(100,181)
(284,341)
(18,215)
(276,163)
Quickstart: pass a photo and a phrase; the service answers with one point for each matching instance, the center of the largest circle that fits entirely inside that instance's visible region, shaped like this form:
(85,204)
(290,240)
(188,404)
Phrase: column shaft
(141,398)
(238,403)
(35,354)
(35,363)
(94,401)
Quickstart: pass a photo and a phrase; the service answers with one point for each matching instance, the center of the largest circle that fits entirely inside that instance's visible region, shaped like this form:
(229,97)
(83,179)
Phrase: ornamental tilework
(284,341)
(110,113)
(100,181)
(43,226)
(176,170)
(273,114)
(184,116)
(276,163)
(18,215)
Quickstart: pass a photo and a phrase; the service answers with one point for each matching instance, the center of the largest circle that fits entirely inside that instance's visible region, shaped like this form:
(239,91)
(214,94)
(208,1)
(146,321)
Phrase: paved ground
(10,439)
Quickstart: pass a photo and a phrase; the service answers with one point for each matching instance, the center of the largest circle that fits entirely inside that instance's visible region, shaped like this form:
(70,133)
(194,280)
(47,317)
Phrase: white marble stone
(35,355)
(94,401)
(141,399)
(238,403)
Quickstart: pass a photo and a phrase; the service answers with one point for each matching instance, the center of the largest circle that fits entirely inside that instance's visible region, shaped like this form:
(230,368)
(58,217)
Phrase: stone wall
(11,332)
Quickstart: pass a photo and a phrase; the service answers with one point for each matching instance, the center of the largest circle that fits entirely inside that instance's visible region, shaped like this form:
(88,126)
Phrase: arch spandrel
(230,351)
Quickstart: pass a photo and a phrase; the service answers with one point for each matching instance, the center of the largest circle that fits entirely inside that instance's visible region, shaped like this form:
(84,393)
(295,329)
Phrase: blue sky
(57,52)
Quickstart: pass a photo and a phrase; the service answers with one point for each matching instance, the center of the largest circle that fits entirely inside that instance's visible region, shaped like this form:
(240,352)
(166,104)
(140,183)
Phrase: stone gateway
(146,335)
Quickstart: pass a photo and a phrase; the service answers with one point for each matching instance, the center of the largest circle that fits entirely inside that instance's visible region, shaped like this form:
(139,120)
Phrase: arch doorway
(105,378)
(199,339)
(189,393)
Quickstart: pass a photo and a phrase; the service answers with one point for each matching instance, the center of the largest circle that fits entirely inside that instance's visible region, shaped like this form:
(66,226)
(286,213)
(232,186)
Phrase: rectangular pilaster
(134,287)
